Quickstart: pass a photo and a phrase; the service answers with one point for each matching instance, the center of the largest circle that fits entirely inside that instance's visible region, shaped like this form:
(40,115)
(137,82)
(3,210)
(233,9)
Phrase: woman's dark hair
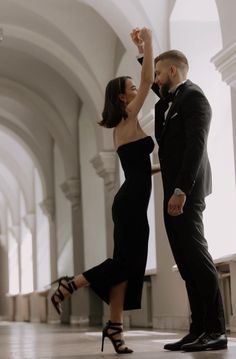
(114,107)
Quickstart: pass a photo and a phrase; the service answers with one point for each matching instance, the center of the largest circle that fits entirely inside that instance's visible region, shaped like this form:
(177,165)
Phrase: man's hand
(176,204)
(135,36)
(144,35)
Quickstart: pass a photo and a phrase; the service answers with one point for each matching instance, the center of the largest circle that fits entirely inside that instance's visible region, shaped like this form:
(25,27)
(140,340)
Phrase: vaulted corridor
(59,171)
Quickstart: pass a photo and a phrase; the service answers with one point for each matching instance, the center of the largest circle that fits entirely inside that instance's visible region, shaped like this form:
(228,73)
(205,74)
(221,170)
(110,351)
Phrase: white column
(106,167)
(15,230)
(48,208)
(4,287)
(232,266)
(29,220)
(80,300)
(16,233)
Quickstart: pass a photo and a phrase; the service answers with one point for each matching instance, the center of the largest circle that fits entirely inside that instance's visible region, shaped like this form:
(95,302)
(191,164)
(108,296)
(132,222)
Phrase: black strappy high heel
(69,286)
(117,343)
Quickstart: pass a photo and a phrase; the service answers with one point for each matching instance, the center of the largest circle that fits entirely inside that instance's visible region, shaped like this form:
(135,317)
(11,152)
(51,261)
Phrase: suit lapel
(171,110)
(173,107)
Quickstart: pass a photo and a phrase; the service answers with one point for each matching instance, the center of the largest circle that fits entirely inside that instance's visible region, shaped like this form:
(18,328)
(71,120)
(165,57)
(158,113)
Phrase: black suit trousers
(195,264)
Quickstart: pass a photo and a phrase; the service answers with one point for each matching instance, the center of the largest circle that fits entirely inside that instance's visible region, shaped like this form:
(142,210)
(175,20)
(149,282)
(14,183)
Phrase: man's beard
(165,89)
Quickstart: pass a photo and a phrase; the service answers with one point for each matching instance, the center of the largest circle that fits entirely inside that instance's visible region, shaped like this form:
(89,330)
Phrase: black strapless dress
(131,229)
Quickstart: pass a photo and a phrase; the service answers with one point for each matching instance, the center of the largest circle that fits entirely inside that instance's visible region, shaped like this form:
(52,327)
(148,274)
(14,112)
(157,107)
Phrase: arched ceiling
(52,54)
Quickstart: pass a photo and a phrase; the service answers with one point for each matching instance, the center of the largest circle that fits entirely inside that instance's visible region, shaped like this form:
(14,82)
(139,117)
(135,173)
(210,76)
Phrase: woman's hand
(135,36)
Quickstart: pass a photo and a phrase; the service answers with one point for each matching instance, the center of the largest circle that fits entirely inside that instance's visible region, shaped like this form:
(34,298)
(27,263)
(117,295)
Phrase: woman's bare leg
(80,281)
(117,296)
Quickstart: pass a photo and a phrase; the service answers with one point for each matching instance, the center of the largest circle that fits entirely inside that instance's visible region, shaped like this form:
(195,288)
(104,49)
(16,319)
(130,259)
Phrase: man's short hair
(175,56)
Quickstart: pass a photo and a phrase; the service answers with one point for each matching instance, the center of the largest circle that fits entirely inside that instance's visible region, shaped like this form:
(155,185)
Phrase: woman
(118,281)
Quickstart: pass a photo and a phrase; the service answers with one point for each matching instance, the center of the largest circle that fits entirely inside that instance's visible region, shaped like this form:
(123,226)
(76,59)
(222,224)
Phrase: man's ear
(173,70)
(122,97)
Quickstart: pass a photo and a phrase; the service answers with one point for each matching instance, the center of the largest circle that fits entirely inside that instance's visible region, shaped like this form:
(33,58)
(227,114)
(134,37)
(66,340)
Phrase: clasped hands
(139,36)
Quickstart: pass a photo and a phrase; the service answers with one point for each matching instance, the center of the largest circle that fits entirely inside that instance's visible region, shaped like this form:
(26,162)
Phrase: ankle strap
(115,324)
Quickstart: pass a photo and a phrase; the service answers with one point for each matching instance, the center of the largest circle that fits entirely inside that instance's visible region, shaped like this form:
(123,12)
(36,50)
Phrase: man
(182,121)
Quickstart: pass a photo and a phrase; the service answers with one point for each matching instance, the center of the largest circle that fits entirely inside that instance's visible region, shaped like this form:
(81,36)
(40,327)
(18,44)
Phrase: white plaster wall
(157,12)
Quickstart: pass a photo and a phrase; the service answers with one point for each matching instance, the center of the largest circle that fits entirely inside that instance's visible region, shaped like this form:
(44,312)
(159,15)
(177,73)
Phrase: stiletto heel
(103,337)
(117,343)
(58,296)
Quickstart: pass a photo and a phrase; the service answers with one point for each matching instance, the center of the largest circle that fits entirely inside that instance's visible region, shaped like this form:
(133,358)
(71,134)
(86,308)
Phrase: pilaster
(105,166)
(29,220)
(15,231)
(48,208)
(72,190)
(4,288)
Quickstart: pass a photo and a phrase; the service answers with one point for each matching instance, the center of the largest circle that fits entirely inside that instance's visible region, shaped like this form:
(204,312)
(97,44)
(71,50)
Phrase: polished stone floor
(31,341)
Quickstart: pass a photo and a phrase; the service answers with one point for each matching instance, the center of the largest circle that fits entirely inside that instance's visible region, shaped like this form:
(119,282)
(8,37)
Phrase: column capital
(225,63)
(29,220)
(48,207)
(71,189)
(105,165)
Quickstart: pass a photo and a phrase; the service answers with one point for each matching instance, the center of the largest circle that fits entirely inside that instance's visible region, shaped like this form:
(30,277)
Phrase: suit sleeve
(196,114)
(155,87)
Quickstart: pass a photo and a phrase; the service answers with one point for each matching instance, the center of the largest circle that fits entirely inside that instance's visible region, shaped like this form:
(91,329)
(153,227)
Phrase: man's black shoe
(207,341)
(189,338)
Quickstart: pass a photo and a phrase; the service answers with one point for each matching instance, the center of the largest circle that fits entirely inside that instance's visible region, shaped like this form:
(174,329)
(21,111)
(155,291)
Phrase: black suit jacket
(182,143)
